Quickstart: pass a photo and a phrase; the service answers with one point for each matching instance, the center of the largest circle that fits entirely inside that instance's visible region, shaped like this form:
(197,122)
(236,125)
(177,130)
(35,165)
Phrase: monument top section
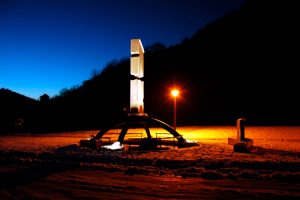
(136,46)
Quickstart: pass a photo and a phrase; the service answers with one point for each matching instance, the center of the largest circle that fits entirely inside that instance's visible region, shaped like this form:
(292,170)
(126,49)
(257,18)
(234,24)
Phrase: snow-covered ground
(49,166)
(278,137)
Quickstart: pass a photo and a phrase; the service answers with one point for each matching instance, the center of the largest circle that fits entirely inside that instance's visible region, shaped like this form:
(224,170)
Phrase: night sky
(49,45)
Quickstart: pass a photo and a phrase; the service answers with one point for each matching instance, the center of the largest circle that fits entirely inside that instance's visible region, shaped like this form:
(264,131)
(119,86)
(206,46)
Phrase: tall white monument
(136,117)
(137,75)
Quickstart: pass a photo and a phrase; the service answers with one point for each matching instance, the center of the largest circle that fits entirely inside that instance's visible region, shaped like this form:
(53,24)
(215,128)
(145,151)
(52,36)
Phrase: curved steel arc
(142,121)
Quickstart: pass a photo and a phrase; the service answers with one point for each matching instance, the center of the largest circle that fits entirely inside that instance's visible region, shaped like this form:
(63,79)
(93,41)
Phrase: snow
(114,146)
(53,165)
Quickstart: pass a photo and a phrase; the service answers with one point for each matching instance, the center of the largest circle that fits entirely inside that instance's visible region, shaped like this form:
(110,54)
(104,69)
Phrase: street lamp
(175,93)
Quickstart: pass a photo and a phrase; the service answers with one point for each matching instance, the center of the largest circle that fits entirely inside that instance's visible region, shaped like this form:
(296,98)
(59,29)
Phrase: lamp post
(175,93)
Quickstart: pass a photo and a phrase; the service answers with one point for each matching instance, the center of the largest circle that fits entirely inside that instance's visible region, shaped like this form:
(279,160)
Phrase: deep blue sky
(48,45)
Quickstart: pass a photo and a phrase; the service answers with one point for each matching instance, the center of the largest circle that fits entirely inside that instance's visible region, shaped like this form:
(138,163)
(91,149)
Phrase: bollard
(241,143)
(240,123)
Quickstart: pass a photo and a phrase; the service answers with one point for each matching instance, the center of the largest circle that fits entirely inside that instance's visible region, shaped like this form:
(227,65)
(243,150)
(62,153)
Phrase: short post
(241,143)
(240,124)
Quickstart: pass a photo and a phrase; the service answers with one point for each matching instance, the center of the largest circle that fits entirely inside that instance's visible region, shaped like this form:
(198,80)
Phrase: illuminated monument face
(137,72)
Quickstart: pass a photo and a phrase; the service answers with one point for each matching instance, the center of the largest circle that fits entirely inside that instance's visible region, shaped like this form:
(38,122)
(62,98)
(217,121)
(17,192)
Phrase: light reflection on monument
(137,75)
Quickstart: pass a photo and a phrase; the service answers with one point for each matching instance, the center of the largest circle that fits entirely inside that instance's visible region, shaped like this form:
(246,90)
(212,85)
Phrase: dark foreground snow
(55,167)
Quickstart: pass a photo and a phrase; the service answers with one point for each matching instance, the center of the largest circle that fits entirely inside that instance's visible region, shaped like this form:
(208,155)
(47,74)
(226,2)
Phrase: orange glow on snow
(284,138)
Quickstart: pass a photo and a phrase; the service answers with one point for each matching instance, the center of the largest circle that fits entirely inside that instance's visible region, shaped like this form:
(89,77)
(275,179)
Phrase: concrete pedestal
(241,146)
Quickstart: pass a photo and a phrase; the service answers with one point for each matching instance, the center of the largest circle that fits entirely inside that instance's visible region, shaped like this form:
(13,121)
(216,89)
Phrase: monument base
(140,121)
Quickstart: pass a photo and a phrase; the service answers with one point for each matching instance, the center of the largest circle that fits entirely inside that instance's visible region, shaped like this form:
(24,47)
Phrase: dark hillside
(241,65)
(244,64)
(16,112)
